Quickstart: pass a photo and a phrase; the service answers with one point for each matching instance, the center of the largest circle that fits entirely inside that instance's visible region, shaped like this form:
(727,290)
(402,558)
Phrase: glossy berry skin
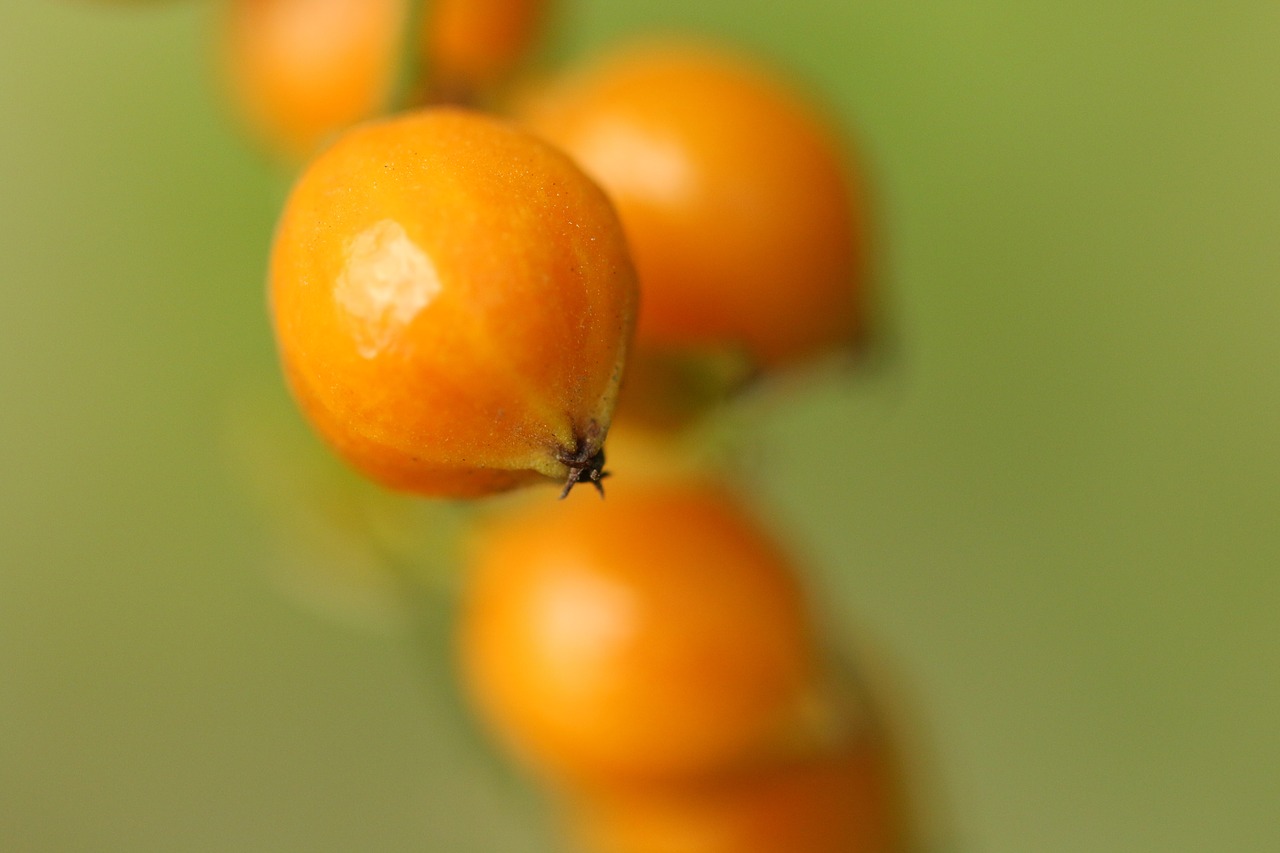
(299,71)
(472,44)
(839,803)
(741,211)
(656,634)
(453,301)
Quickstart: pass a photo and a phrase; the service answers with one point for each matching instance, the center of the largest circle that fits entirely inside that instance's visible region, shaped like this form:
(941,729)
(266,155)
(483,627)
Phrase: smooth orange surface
(472,43)
(737,199)
(302,70)
(657,633)
(843,803)
(452,300)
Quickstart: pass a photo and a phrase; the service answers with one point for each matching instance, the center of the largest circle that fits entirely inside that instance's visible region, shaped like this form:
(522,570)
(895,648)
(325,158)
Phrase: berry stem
(590,470)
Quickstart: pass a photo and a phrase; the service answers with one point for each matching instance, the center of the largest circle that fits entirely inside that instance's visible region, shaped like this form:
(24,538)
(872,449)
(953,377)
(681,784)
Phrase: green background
(1051,506)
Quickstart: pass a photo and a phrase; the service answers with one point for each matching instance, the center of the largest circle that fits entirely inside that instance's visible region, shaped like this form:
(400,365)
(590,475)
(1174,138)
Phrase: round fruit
(302,70)
(741,213)
(657,634)
(834,804)
(453,300)
(471,44)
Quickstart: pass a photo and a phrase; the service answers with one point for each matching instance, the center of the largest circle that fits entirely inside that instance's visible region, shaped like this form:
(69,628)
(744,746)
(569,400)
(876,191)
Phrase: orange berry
(470,44)
(735,196)
(302,70)
(452,300)
(658,633)
(843,803)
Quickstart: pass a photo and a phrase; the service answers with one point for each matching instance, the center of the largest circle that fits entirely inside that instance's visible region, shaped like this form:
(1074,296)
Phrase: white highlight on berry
(386,282)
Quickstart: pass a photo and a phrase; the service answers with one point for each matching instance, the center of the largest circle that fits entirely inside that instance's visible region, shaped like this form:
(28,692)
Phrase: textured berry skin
(742,214)
(453,301)
(657,634)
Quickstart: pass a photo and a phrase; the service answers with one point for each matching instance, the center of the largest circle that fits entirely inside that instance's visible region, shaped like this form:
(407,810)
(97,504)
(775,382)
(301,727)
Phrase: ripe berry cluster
(468,302)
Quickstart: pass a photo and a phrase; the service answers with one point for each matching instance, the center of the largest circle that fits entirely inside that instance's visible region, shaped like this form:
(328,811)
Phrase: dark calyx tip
(589,470)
